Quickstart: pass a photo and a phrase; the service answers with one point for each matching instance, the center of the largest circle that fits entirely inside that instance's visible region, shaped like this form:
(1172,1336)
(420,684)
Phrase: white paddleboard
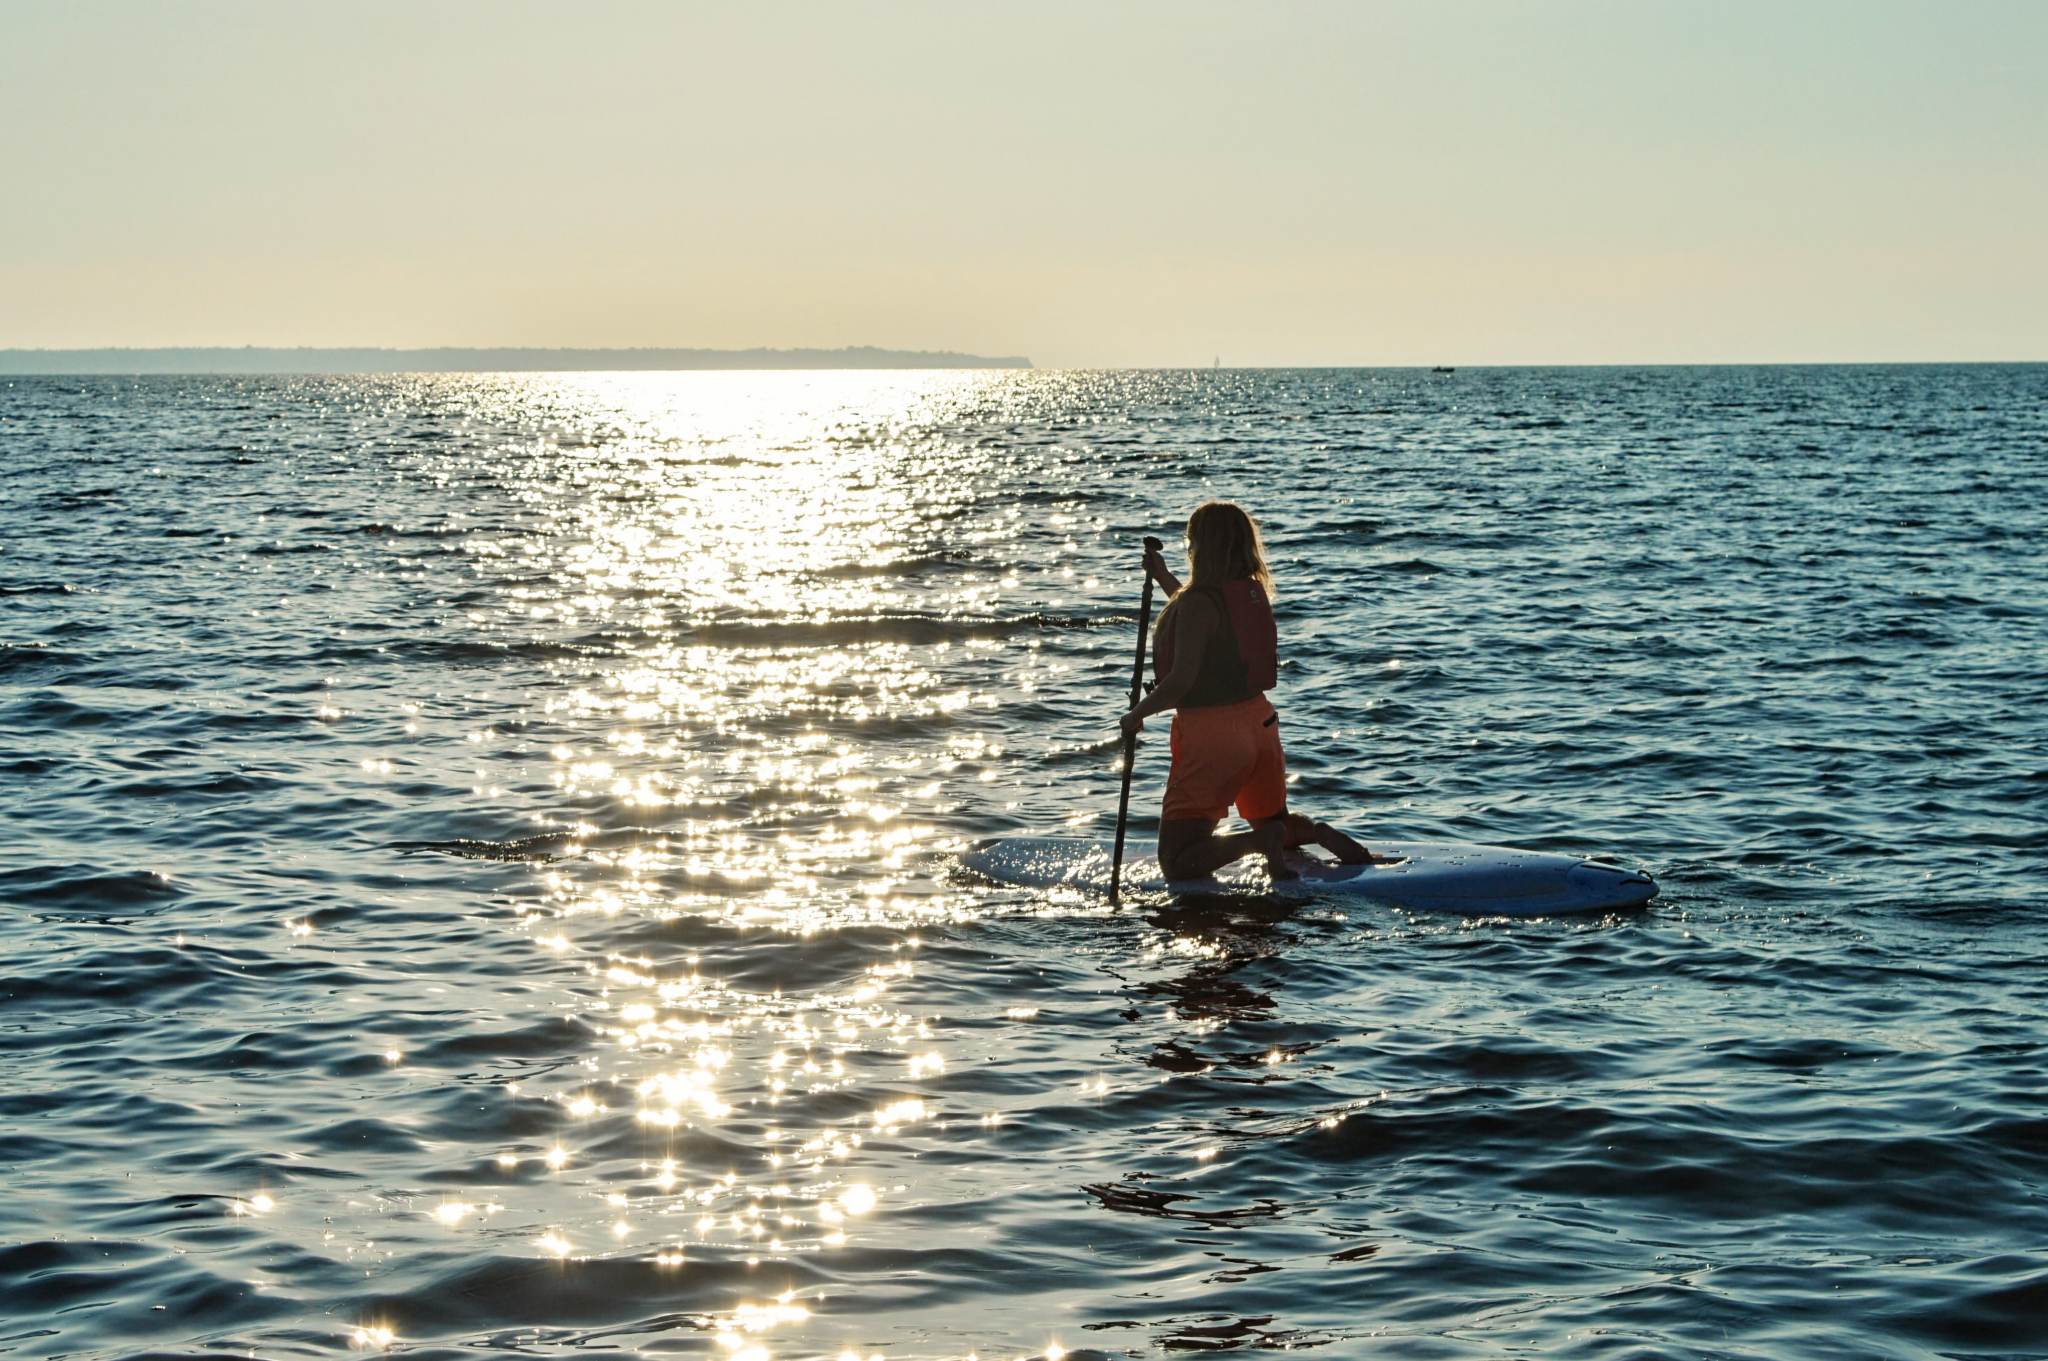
(1426,875)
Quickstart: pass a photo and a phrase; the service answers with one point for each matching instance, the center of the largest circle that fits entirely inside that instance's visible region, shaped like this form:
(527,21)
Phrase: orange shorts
(1225,754)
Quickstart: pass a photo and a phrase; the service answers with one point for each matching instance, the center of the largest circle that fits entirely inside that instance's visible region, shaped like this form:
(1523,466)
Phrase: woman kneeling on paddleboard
(1215,655)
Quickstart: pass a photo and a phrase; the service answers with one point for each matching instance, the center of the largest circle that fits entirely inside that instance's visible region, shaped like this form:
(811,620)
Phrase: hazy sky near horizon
(1089,183)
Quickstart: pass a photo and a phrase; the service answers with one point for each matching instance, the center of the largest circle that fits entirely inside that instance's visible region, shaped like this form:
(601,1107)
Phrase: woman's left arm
(1193,623)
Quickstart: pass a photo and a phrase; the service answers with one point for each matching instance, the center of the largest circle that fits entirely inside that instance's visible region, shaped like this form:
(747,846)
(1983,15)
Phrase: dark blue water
(475,874)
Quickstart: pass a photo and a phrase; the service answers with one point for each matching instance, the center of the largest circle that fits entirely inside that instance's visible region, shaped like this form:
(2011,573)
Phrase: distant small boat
(1443,368)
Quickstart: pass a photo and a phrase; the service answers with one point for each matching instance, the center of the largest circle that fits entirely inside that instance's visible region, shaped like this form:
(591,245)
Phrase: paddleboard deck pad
(1423,875)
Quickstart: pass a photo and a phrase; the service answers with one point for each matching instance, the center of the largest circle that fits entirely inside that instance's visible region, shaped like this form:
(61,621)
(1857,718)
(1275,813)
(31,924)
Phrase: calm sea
(475,873)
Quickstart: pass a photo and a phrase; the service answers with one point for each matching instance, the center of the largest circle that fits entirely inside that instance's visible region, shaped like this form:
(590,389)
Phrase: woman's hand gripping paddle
(1123,804)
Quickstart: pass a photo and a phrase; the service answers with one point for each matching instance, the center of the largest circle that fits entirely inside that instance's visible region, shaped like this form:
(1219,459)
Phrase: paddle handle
(1123,802)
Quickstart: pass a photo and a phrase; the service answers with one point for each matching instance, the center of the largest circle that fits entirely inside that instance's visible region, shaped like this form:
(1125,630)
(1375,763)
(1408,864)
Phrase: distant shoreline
(251,359)
(283,361)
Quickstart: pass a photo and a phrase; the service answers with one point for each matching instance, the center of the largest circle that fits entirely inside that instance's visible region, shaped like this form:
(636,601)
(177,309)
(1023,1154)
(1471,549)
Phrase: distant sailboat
(1217,363)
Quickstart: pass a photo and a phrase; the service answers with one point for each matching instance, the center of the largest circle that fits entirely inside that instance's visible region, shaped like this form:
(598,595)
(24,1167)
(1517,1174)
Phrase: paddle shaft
(1123,803)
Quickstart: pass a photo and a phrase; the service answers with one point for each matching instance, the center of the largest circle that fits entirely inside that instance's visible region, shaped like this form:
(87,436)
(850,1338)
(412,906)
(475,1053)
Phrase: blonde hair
(1223,545)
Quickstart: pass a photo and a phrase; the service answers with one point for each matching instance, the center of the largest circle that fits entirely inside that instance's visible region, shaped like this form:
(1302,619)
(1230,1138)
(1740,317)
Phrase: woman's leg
(1190,849)
(1261,795)
(1305,831)
(1213,749)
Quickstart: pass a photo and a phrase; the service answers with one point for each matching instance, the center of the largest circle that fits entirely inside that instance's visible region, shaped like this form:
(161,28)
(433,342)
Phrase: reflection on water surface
(500,825)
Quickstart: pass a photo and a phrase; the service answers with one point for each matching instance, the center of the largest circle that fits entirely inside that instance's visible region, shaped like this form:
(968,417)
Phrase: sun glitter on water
(736,554)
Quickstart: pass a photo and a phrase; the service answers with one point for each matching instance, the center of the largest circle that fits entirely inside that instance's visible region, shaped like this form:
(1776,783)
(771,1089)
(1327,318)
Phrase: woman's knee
(1177,837)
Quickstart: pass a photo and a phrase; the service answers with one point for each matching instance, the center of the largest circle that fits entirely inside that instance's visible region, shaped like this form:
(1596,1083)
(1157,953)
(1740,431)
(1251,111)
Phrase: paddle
(1123,803)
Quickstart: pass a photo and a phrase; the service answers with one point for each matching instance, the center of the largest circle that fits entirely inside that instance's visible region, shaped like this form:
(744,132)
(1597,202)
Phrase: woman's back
(1240,656)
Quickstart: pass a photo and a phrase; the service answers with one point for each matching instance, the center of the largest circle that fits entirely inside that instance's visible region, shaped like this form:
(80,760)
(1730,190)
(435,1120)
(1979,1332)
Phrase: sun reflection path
(676,1043)
(767,623)
(745,646)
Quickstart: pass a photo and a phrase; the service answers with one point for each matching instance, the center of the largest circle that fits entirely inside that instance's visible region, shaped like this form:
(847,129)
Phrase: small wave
(916,629)
(546,847)
(79,498)
(20,659)
(84,888)
(203,786)
(913,565)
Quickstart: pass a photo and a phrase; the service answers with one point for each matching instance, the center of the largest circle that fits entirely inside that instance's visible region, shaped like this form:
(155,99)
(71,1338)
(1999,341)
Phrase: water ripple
(478,874)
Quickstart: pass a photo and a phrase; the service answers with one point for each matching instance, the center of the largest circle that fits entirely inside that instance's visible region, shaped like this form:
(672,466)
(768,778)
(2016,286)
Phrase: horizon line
(33,361)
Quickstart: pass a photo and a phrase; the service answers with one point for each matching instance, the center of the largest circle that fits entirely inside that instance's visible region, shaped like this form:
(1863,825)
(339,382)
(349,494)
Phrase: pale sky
(1089,183)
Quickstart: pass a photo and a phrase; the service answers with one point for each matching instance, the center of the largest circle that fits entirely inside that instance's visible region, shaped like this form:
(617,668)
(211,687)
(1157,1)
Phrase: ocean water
(475,877)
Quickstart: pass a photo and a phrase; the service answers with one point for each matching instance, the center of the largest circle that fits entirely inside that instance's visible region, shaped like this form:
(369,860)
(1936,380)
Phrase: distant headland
(449,359)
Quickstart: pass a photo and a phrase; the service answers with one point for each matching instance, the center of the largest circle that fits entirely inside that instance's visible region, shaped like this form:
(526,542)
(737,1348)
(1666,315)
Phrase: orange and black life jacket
(1243,659)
